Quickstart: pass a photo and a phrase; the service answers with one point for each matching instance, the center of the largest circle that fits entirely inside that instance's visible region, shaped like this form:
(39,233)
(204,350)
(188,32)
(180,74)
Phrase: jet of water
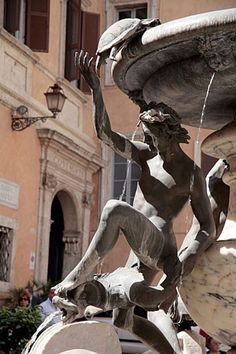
(129,162)
(204,107)
(200,125)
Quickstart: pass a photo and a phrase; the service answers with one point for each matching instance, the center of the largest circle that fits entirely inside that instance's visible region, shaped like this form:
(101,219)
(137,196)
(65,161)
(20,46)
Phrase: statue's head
(218,51)
(163,122)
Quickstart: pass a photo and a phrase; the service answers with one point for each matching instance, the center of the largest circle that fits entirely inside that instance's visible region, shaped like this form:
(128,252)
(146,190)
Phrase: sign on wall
(9,193)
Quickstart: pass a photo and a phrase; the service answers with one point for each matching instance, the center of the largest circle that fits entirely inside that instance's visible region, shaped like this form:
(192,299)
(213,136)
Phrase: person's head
(24,299)
(51,294)
(162,123)
(213,345)
(29,290)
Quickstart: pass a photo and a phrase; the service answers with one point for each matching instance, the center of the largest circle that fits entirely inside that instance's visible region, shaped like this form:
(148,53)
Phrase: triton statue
(169,179)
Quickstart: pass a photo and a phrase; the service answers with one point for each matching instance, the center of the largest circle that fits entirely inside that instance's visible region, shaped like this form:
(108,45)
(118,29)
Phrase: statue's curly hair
(170,125)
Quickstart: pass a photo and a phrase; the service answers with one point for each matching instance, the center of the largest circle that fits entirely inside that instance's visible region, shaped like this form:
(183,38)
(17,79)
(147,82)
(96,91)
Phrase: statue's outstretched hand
(84,63)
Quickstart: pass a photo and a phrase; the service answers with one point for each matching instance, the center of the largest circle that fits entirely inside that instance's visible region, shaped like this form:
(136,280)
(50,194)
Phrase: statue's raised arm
(118,142)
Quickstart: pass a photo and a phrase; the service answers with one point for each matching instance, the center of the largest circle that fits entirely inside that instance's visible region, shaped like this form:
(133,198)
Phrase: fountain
(174,63)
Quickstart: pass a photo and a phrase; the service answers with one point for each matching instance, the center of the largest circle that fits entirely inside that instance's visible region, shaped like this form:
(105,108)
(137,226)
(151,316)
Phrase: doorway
(56,244)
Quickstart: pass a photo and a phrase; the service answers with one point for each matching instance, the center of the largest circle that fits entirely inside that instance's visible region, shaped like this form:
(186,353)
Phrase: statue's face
(153,115)
(162,124)
(152,122)
(220,59)
(155,134)
(218,51)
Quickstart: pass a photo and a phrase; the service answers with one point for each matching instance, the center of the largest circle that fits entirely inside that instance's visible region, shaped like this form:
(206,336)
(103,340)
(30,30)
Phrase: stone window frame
(111,10)
(9,223)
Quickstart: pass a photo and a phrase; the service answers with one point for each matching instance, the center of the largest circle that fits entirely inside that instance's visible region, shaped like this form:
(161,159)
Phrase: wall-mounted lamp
(55,98)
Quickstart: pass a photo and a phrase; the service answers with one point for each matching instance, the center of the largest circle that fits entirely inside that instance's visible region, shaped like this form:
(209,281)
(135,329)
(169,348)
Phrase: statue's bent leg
(142,235)
(149,297)
(142,328)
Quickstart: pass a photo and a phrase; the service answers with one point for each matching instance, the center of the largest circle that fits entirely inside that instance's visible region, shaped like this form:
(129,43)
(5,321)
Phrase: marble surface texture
(209,293)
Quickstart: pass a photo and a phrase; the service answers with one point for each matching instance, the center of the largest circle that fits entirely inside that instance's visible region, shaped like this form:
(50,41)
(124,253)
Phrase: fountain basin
(209,292)
(174,62)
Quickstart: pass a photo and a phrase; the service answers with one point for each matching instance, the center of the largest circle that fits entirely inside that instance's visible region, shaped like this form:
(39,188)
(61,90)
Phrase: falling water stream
(197,144)
(197,141)
(200,125)
(129,162)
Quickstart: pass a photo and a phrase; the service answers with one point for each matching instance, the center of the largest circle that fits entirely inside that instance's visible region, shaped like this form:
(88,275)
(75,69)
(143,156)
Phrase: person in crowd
(24,299)
(47,308)
(34,300)
(213,346)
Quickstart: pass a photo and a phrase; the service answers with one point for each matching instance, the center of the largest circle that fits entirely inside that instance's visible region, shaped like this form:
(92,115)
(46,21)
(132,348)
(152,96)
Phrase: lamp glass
(55,99)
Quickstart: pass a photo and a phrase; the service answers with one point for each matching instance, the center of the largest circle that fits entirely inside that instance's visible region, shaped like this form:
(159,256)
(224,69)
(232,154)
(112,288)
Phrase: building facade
(56,176)
(49,172)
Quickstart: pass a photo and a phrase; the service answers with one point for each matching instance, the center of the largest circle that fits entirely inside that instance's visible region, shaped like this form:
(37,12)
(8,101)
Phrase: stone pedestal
(86,337)
(78,351)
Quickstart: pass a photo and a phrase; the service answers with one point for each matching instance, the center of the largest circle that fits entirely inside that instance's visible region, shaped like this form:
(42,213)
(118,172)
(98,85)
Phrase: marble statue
(169,179)
(175,63)
(171,63)
(110,291)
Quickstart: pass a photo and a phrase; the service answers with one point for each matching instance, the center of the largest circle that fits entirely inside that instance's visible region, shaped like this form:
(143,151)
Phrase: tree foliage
(17,327)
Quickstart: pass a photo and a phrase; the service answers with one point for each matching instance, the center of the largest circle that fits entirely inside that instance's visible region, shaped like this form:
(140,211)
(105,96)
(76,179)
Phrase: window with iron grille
(126,176)
(5,252)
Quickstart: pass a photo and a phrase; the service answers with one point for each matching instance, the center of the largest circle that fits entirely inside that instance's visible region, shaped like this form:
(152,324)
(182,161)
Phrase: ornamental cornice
(66,146)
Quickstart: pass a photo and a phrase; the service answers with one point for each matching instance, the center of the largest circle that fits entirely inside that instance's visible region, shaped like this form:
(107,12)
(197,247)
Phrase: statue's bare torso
(159,178)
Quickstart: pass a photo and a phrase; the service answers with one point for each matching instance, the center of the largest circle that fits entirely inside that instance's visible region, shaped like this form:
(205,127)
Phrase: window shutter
(37,30)
(12,16)
(73,38)
(89,41)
